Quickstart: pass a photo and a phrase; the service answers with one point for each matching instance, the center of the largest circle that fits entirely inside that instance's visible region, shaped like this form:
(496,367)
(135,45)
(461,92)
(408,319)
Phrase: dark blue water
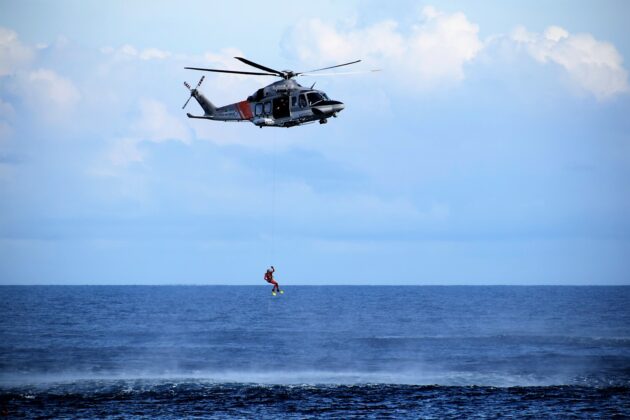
(342,352)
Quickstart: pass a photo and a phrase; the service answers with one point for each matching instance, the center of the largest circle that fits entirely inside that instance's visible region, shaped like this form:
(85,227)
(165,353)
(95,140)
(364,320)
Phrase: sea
(314,352)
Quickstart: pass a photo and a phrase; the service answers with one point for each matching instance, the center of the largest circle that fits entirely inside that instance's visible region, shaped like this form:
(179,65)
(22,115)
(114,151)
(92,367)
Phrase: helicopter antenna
(192,91)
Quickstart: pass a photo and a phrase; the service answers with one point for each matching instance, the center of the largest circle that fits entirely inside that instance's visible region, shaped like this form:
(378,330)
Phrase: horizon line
(317,285)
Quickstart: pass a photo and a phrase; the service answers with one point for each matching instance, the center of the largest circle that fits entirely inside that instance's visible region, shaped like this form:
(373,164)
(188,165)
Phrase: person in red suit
(269,278)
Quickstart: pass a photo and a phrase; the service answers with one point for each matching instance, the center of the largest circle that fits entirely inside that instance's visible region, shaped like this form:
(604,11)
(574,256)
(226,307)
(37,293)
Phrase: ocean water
(314,352)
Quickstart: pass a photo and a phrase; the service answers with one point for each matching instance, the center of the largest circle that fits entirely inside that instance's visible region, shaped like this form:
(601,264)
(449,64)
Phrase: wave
(198,398)
(528,338)
(313,377)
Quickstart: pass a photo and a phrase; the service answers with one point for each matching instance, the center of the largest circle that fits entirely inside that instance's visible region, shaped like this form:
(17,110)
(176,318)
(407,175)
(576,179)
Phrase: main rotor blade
(331,67)
(259,66)
(343,73)
(231,71)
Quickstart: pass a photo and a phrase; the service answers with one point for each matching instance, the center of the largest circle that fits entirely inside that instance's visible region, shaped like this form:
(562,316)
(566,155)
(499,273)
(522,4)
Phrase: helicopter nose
(327,108)
(338,106)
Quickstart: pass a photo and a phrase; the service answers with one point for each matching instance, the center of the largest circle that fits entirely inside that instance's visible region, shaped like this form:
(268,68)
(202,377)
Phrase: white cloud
(556,33)
(592,65)
(107,50)
(6,110)
(441,45)
(154,54)
(5,132)
(6,113)
(224,58)
(125,151)
(157,124)
(13,54)
(128,51)
(50,95)
(47,93)
(57,90)
(315,41)
(433,52)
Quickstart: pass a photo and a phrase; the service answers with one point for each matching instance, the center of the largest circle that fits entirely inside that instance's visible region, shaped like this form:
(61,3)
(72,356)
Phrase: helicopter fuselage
(284,103)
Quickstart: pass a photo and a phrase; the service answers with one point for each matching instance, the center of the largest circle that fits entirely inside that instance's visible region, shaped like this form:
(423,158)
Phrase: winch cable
(273,202)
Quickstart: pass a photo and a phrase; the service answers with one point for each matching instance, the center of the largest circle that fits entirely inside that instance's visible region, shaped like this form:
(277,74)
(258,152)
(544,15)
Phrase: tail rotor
(192,91)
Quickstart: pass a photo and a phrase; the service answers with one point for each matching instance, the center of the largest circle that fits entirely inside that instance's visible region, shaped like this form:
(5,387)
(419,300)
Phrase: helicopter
(284,103)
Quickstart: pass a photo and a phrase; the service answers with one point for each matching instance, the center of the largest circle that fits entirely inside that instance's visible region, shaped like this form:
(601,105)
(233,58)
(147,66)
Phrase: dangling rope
(273,203)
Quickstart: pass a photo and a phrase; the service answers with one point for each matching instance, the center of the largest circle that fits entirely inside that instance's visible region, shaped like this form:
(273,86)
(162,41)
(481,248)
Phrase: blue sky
(493,148)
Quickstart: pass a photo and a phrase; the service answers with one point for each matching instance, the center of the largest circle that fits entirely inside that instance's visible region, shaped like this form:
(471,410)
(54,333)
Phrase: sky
(493,147)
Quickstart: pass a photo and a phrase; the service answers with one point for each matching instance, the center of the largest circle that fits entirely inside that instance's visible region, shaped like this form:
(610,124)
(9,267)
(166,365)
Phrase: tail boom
(240,111)
(208,108)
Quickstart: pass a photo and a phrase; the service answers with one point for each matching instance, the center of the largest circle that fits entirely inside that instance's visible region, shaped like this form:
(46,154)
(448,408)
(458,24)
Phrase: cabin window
(302,101)
(293,101)
(259,109)
(268,107)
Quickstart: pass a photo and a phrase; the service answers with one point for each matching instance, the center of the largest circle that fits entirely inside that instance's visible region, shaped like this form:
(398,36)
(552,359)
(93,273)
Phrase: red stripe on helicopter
(245,110)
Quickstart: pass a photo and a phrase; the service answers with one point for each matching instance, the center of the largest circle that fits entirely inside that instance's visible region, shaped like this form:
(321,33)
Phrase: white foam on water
(301,377)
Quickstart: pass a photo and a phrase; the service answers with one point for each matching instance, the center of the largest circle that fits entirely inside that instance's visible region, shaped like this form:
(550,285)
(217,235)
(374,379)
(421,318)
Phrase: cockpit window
(259,95)
(314,97)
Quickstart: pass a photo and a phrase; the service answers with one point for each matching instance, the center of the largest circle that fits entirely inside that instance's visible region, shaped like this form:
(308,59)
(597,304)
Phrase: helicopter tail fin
(208,108)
